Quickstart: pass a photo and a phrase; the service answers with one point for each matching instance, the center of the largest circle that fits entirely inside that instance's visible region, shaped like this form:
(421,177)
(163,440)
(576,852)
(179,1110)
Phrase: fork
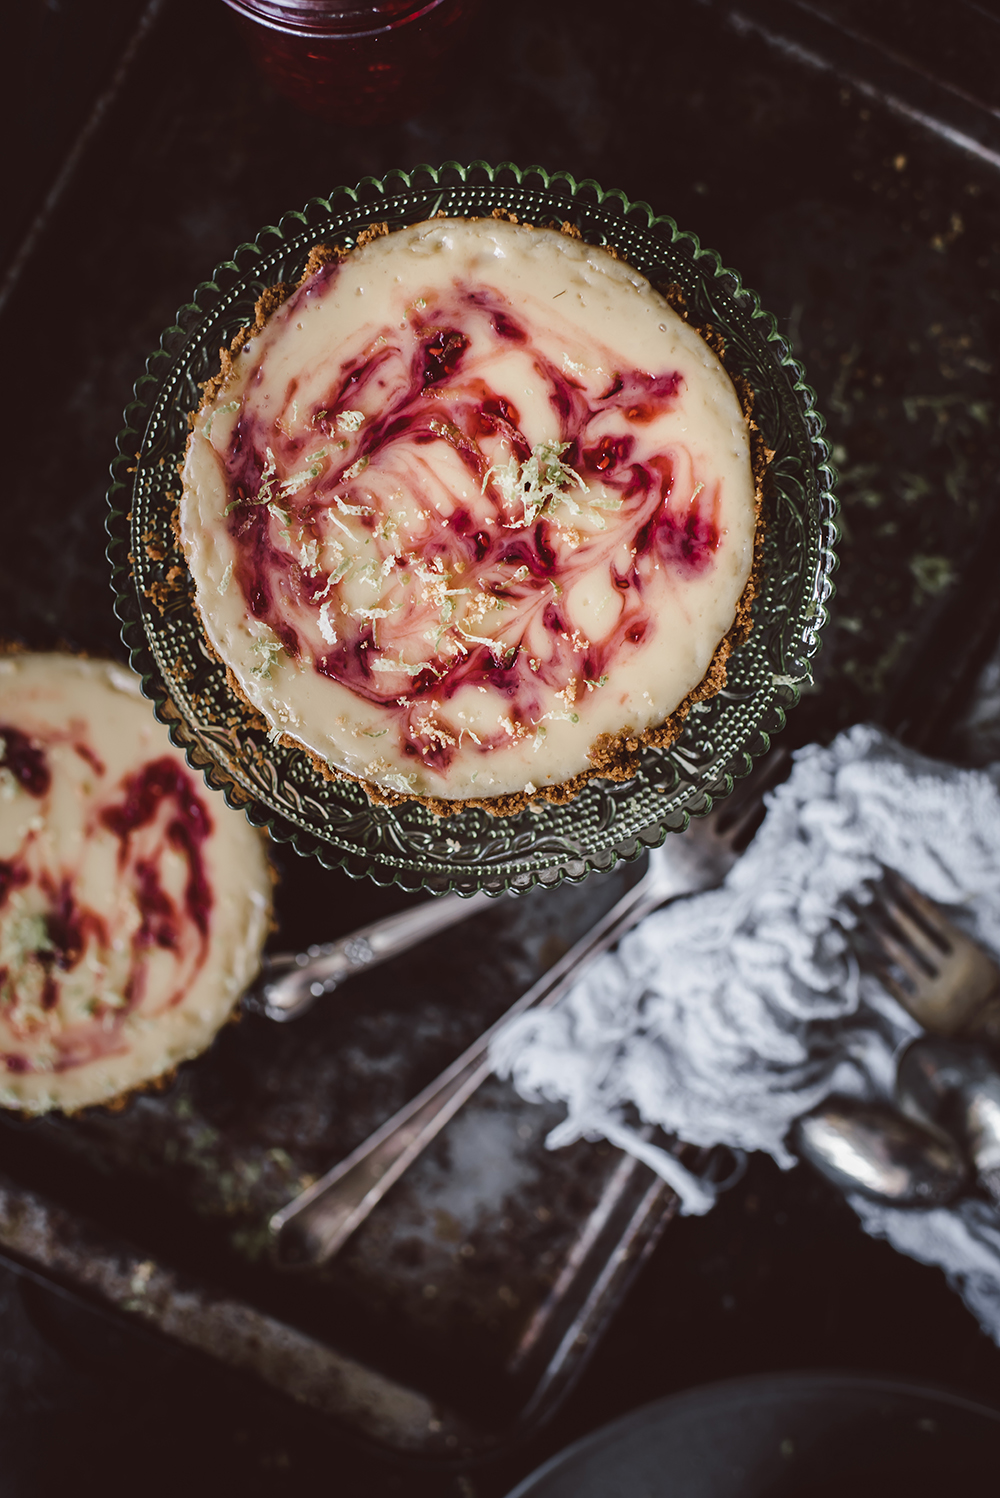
(941,976)
(319,1221)
(952,986)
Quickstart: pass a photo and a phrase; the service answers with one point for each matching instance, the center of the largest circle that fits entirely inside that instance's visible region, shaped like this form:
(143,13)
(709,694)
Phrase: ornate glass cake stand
(279,787)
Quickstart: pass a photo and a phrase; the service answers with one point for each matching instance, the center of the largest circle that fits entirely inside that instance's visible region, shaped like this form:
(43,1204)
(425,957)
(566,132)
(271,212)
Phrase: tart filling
(132,914)
(469,512)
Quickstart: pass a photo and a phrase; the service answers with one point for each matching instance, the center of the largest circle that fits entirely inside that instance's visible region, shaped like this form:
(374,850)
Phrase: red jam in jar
(353,61)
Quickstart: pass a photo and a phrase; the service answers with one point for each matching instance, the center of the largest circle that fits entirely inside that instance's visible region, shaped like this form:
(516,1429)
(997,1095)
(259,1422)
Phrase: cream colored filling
(125,1013)
(381,542)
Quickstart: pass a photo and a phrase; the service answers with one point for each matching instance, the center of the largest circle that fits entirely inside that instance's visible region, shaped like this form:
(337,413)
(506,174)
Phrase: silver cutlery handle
(316,1225)
(292,982)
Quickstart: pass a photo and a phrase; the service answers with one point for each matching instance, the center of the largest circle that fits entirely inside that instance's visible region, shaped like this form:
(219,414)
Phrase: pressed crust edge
(614,757)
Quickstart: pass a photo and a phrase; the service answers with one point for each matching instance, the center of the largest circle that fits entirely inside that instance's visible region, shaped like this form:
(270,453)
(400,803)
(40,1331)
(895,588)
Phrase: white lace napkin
(724,1016)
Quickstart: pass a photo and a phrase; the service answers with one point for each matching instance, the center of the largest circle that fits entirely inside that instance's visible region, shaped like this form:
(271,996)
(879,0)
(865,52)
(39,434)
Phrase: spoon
(871,1149)
(953,1085)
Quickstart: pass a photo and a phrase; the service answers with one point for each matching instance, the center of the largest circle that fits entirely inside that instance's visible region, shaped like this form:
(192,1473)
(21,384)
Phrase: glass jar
(353,61)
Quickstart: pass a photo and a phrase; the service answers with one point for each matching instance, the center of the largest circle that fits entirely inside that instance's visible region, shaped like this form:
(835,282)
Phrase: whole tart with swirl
(472,514)
(132,912)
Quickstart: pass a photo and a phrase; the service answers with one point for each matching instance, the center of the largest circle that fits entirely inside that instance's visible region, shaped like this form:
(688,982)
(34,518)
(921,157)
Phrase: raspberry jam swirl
(74,963)
(455,516)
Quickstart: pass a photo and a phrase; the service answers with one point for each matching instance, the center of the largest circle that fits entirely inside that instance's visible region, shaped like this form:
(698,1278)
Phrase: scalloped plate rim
(163,361)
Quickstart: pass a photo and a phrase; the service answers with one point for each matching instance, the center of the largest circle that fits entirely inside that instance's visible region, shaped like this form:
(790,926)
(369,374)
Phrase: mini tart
(132,913)
(471,514)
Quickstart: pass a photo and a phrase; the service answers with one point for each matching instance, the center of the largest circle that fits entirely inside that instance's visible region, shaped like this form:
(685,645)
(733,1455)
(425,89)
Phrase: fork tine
(934,920)
(942,976)
(903,996)
(879,925)
(892,948)
(926,949)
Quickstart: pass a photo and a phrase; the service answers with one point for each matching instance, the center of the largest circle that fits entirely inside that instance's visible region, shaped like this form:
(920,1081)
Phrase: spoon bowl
(870,1149)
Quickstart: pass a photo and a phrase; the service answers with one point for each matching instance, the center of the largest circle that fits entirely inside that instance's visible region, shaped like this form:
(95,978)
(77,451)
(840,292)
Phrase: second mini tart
(133,905)
(471,515)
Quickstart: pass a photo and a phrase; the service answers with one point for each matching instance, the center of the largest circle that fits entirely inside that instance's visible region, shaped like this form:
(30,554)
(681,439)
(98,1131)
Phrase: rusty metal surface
(230,1330)
(481,1279)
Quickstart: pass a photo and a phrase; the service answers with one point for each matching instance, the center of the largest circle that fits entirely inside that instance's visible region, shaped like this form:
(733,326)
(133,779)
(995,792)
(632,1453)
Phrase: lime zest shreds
(600,682)
(225,580)
(502,653)
(349,421)
(374,733)
(265,494)
(346,509)
(448,432)
(25,937)
(388,532)
(380,663)
(269,648)
(540,482)
(356,468)
(309,554)
(338,575)
(313,469)
(220,411)
(397,781)
(497,646)
(445,614)
(343,527)
(326,628)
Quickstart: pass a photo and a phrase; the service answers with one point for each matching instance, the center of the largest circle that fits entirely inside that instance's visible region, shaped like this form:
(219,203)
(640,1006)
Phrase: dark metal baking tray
(462,1307)
(876,240)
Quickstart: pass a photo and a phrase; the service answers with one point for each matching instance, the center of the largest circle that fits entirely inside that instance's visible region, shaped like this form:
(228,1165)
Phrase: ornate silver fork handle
(316,1225)
(321,1220)
(291,982)
(318,1222)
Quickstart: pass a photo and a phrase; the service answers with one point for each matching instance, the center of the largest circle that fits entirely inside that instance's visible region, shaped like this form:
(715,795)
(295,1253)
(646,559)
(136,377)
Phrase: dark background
(844,157)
